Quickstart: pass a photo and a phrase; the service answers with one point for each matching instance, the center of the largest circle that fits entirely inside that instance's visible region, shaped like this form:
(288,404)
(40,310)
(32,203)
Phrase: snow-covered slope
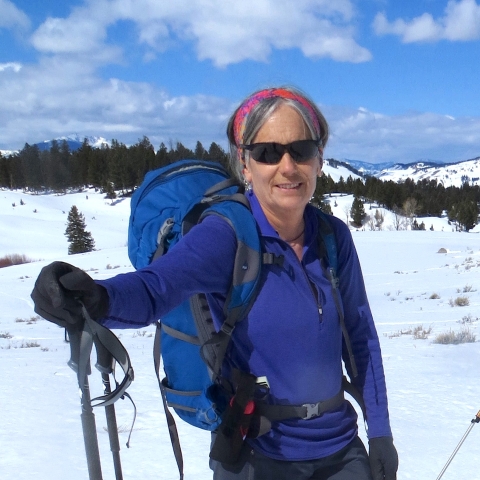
(433,389)
(449,175)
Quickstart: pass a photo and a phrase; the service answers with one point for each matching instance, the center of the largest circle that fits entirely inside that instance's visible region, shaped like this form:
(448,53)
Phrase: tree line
(109,168)
(409,198)
(118,168)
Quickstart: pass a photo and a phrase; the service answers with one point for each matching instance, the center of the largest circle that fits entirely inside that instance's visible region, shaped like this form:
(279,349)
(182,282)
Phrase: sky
(397,81)
(433,389)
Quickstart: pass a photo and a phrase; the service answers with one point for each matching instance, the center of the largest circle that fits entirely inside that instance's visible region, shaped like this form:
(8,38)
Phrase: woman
(292,334)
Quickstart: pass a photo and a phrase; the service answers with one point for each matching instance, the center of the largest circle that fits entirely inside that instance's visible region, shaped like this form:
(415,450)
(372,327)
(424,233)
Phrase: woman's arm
(363,334)
(201,262)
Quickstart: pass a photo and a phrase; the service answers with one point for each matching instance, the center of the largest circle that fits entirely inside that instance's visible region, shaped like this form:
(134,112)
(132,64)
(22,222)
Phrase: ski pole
(104,364)
(473,422)
(90,435)
(81,343)
(112,430)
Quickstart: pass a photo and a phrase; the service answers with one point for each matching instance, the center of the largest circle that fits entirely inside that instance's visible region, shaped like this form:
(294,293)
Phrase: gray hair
(260,113)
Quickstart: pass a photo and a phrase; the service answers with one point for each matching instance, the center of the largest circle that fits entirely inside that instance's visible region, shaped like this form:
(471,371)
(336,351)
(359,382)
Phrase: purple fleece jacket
(292,334)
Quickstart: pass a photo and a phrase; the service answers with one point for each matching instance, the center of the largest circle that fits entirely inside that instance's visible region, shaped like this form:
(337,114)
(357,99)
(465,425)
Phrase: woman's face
(285,188)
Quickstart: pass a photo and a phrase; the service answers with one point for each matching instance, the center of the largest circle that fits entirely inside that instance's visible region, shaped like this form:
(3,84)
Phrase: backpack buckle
(227,329)
(312,410)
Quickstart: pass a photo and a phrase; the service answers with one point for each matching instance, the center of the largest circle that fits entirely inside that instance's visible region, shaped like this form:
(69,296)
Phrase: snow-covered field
(434,390)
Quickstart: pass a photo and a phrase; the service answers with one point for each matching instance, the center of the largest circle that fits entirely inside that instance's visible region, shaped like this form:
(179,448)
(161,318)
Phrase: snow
(336,172)
(434,390)
(453,174)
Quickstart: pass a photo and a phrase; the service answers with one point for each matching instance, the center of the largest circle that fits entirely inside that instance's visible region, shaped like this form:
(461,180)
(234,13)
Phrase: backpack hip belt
(305,412)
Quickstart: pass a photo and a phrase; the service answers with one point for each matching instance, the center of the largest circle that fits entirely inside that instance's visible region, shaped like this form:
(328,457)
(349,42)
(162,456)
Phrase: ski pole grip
(104,357)
(477,418)
(75,338)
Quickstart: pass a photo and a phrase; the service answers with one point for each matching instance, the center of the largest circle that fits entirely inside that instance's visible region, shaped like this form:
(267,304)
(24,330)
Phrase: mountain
(366,168)
(74,142)
(449,174)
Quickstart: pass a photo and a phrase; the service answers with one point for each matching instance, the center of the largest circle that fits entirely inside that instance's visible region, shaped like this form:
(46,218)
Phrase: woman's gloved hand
(60,291)
(383,458)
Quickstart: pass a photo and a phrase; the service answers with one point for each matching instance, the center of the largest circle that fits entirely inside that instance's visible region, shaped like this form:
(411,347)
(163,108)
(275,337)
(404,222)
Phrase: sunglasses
(272,152)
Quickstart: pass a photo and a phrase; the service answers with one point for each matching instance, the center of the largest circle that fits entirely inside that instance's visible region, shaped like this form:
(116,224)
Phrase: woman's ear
(320,166)
(247,174)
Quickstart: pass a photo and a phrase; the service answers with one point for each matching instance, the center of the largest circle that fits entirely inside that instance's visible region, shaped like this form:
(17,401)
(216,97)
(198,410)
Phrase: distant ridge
(74,142)
(446,173)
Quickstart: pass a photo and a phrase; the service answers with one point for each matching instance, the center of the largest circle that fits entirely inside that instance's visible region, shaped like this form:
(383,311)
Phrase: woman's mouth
(288,186)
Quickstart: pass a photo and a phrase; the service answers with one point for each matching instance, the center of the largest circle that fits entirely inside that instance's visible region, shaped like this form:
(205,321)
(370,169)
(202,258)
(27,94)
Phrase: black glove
(383,458)
(60,291)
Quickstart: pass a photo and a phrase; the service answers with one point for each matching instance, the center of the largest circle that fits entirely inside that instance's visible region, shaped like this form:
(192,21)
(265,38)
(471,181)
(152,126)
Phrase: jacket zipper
(312,286)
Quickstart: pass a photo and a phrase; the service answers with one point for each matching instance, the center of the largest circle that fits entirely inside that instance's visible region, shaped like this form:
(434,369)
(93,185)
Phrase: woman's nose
(287,163)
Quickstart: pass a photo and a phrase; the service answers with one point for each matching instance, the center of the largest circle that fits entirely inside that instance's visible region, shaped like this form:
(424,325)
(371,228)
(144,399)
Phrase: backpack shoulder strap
(246,275)
(328,249)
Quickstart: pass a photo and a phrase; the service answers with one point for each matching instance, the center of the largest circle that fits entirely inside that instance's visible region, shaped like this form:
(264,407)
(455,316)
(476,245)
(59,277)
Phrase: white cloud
(364,135)
(15,66)
(461,22)
(63,92)
(223,32)
(61,95)
(12,17)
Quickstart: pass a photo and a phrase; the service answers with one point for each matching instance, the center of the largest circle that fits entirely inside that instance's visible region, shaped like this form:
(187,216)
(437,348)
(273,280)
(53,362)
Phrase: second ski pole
(473,422)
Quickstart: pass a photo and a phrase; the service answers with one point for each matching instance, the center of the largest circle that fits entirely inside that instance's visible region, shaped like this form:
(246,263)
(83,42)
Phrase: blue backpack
(168,203)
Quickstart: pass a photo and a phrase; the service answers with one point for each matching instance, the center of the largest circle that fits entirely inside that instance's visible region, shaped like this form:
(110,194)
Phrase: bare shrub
(13,259)
(434,296)
(455,338)
(399,333)
(420,333)
(5,335)
(459,302)
(29,345)
(468,288)
(28,321)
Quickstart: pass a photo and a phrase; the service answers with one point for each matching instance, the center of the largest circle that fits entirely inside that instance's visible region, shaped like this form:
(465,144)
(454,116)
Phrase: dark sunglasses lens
(266,153)
(272,153)
(302,150)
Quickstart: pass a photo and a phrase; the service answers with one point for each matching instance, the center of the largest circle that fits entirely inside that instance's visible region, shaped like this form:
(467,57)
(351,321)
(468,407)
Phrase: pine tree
(80,240)
(357,212)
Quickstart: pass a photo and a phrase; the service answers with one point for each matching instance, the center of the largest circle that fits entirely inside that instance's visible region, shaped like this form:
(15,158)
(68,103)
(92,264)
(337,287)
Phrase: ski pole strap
(109,349)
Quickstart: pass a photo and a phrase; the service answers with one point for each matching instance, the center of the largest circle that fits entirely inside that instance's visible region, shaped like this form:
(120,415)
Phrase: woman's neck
(292,232)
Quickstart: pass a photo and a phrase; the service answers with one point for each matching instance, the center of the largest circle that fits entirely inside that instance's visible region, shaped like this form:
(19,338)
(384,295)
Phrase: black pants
(350,463)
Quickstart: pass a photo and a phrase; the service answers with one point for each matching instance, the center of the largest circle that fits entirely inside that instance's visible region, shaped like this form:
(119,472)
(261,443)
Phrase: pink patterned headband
(250,103)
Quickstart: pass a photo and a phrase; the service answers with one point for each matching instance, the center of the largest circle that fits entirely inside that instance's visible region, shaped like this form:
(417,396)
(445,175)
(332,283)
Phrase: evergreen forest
(119,169)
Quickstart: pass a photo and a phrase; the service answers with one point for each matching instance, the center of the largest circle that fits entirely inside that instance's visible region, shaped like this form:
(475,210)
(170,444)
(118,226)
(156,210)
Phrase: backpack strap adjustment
(272,259)
(227,329)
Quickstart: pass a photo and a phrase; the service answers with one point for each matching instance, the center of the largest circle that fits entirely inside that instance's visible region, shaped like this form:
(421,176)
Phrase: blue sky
(397,80)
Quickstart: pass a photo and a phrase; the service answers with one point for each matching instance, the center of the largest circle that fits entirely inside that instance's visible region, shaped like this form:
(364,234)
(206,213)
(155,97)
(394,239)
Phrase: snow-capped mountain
(451,174)
(7,153)
(366,168)
(74,142)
